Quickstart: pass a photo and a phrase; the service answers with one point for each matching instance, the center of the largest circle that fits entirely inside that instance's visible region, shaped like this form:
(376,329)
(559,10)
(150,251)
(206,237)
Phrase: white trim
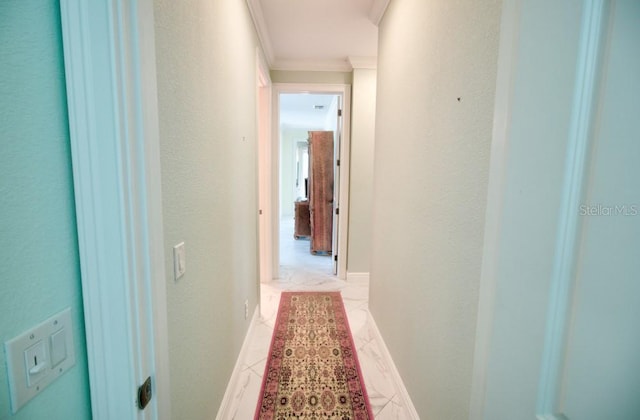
(275,182)
(345,151)
(255,9)
(377,11)
(403,394)
(155,286)
(339,65)
(345,174)
(568,227)
(370,63)
(262,66)
(264,181)
(507,62)
(111,95)
(358,277)
(225,405)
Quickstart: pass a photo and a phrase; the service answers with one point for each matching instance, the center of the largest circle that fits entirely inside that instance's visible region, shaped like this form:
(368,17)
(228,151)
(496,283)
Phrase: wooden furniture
(303,221)
(321,190)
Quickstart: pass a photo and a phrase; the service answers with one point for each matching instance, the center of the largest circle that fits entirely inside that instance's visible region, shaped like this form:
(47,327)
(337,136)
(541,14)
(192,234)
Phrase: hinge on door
(335,257)
(339,113)
(260,211)
(338,162)
(337,210)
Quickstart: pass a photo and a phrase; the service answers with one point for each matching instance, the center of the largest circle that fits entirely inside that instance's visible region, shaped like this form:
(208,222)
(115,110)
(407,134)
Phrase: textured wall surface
(326,77)
(431,174)
(40,271)
(361,169)
(206,58)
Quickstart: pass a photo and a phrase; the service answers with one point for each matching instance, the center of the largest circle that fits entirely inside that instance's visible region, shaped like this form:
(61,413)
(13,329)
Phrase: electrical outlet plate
(39,356)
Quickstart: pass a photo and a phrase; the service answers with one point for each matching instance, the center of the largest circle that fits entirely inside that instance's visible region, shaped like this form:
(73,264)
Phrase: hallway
(301,271)
(492,213)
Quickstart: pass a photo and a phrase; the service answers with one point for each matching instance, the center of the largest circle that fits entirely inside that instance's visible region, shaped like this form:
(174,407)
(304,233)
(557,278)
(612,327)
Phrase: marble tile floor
(302,271)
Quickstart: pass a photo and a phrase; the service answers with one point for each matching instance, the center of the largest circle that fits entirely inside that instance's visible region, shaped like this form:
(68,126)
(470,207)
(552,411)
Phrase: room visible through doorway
(308,175)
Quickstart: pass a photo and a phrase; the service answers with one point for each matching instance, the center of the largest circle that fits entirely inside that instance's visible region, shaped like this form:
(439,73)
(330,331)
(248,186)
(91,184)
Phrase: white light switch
(58,347)
(179,260)
(36,363)
(38,356)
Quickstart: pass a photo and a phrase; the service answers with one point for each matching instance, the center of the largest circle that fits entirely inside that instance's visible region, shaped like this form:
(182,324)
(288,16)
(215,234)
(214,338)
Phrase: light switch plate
(179,260)
(58,347)
(29,357)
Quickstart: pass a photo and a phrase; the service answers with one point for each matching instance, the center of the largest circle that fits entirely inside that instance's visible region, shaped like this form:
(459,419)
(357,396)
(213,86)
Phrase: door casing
(344,91)
(265,218)
(110,68)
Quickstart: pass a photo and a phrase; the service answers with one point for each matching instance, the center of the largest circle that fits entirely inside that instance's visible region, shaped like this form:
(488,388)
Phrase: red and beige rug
(312,370)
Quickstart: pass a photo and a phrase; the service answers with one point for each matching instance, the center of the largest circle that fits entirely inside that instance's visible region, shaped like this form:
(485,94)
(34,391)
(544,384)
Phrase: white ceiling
(298,110)
(318,34)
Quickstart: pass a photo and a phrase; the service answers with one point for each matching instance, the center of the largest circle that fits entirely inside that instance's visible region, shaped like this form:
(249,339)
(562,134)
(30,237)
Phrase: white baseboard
(357,276)
(403,394)
(235,374)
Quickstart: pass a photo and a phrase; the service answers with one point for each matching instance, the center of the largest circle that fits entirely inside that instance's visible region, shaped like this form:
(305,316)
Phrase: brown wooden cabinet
(321,190)
(302,219)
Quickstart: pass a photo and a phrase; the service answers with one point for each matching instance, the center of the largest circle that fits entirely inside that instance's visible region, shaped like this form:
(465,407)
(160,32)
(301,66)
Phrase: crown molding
(341,65)
(377,10)
(255,9)
(363,62)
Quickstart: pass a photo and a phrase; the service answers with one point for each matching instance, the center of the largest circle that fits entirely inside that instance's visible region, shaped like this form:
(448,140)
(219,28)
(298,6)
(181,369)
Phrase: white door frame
(345,148)
(109,55)
(265,218)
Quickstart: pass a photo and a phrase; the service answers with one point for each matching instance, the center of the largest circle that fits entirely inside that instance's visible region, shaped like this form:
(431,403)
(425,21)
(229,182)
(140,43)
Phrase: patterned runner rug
(312,370)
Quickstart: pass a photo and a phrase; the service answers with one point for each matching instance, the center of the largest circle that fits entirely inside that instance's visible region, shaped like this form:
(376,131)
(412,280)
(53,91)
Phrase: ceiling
(299,110)
(321,35)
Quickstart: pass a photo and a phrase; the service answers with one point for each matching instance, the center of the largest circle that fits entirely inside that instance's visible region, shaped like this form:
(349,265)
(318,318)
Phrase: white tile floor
(302,271)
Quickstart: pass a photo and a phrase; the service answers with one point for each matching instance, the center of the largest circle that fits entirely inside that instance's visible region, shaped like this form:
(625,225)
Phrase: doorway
(329,105)
(308,143)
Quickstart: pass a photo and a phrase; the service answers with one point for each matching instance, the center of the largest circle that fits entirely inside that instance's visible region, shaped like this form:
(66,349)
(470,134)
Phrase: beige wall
(207,104)
(431,174)
(363,110)
(325,77)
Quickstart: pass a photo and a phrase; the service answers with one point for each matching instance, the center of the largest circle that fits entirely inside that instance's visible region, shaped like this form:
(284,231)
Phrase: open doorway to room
(292,263)
(299,110)
(308,157)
